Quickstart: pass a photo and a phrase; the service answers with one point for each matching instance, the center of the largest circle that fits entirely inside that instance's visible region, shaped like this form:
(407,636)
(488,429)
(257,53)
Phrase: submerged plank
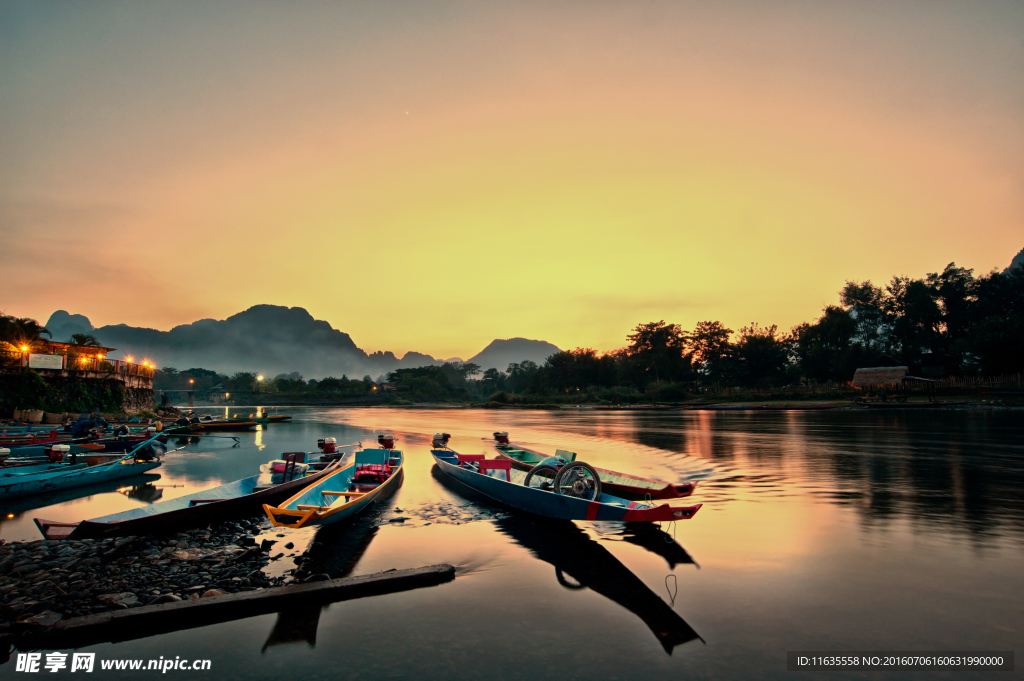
(135,623)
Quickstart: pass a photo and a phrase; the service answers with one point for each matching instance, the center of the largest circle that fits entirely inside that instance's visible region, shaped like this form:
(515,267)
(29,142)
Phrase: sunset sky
(431,176)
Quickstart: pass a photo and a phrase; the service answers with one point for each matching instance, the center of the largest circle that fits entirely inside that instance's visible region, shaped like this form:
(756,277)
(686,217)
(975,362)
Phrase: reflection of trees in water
(942,467)
(580,562)
(939,468)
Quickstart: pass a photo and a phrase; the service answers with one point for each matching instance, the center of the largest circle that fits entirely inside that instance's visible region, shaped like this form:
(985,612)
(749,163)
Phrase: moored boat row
(297,491)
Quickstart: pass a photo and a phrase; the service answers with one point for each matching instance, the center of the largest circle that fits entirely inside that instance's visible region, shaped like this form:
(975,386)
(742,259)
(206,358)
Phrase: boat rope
(675,585)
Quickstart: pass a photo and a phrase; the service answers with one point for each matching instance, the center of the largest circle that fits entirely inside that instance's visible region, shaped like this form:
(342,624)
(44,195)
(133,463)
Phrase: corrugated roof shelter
(879,376)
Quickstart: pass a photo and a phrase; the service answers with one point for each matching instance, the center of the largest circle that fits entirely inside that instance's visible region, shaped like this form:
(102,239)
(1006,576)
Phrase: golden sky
(431,176)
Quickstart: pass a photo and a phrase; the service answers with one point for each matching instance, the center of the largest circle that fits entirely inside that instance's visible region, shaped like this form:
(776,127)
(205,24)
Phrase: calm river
(819,531)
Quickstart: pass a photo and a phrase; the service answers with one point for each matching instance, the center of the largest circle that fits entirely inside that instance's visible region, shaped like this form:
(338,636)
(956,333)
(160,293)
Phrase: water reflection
(148,493)
(647,536)
(13,509)
(335,551)
(955,470)
(580,562)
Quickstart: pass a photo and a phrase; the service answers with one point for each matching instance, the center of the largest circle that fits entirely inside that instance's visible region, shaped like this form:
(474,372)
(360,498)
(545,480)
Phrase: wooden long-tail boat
(342,493)
(73,476)
(624,485)
(474,471)
(273,418)
(236,499)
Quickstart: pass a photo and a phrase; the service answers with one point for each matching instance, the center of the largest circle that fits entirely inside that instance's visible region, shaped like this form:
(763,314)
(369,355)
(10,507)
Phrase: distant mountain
(272,339)
(63,325)
(500,353)
(1018,261)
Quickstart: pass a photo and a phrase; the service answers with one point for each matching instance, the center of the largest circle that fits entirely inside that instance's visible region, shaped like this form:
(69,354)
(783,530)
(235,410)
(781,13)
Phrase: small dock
(150,620)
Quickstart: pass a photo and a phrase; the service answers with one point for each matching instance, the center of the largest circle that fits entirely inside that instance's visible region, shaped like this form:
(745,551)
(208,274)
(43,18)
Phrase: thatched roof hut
(879,376)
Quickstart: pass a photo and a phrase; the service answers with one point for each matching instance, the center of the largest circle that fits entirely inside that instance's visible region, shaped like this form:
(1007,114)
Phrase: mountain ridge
(271,339)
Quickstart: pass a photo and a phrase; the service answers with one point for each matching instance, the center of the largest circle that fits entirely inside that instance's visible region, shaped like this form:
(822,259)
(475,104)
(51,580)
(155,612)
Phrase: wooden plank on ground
(135,623)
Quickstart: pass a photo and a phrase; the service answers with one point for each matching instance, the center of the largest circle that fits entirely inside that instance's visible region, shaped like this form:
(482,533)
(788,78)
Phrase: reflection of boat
(623,485)
(345,544)
(512,491)
(146,493)
(233,500)
(53,498)
(590,565)
(649,537)
(343,493)
(293,625)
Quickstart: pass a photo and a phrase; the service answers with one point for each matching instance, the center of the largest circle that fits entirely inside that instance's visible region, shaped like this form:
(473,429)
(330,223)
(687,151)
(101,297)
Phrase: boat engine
(57,453)
(386,440)
(327,445)
(502,437)
(440,440)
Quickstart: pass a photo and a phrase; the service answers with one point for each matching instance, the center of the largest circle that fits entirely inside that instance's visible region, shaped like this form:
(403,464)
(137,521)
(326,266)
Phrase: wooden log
(150,620)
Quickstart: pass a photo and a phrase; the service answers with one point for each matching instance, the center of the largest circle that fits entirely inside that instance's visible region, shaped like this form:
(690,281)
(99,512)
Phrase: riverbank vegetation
(948,323)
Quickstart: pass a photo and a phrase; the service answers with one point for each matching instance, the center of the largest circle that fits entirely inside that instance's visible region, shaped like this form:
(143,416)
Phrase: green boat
(620,484)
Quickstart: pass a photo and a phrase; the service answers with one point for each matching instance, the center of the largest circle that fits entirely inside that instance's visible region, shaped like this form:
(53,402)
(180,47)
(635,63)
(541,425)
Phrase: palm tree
(20,331)
(84,340)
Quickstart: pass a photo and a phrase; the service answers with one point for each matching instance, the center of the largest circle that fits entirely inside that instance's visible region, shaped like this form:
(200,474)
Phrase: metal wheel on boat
(579,480)
(541,476)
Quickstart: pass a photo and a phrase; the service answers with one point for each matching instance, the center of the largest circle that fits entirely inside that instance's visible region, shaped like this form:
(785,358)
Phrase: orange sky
(432,176)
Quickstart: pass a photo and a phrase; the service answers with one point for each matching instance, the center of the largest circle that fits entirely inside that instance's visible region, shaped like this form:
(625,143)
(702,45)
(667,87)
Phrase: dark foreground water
(819,531)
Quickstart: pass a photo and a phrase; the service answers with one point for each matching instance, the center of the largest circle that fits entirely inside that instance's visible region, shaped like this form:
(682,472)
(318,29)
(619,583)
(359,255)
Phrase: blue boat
(574,495)
(343,493)
(236,499)
(65,477)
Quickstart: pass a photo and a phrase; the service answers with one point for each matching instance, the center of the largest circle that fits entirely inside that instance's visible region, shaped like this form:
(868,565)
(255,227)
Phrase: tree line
(948,323)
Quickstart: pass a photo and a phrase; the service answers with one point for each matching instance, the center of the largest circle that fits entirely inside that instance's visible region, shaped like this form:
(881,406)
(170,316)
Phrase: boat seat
(371,473)
(309,507)
(487,465)
(343,494)
(470,459)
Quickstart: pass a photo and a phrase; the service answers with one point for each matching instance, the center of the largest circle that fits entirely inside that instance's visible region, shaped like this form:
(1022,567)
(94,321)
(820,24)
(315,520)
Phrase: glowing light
(100,356)
(259,378)
(24,348)
(191,381)
(129,359)
(10,515)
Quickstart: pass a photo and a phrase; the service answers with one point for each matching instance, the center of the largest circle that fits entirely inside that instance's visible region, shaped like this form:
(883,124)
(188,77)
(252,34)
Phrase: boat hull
(181,512)
(622,485)
(48,482)
(306,508)
(551,505)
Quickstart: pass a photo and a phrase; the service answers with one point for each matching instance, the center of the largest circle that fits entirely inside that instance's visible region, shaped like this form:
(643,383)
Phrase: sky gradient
(431,176)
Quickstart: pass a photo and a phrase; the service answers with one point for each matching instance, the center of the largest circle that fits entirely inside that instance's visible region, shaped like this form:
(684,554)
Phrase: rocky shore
(42,582)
